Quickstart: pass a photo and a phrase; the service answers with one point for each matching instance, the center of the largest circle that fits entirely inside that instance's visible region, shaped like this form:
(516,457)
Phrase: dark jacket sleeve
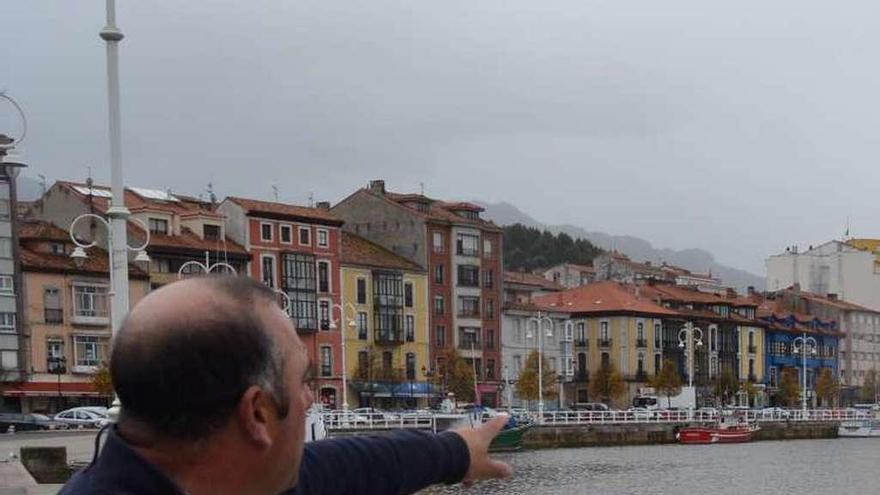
(400,463)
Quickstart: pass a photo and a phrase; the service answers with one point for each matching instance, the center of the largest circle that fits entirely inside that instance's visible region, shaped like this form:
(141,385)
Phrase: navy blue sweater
(403,462)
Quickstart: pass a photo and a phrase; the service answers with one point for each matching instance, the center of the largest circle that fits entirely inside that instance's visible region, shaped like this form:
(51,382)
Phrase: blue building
(783,335)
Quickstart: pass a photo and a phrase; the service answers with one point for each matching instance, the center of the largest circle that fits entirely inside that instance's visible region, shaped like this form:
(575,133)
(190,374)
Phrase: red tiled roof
(359,251)
(37,230)
(439,211)
(189,240)
(601,297)
(669,292)
(531,279)
(284,210)
(95,263)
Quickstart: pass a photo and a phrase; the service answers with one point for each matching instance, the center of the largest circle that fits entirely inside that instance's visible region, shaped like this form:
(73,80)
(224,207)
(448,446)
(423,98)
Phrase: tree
(101,381)
(789,390)
(528,248)
(868,391)
(749,389)
(607,384)
(527,383)
(725,385)
(668,382)
(826,387)
(457,377)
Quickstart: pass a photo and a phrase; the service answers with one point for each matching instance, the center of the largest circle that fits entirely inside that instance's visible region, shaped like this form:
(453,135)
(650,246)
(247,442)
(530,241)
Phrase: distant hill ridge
(696,260)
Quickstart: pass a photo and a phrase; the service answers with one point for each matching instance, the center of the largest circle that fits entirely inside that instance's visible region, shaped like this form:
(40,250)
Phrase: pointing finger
(493,426)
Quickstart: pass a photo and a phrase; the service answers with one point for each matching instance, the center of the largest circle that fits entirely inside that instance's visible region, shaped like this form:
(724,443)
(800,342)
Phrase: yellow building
(385,306)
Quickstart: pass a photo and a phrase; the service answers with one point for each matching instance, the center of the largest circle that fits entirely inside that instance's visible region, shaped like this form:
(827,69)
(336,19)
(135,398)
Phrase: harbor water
(802,467)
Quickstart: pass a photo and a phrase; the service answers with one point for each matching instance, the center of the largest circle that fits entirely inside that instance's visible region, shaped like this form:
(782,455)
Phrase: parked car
(47,423)
(28,422)
(589,406)
(374,414)
(85,417)
(641,413)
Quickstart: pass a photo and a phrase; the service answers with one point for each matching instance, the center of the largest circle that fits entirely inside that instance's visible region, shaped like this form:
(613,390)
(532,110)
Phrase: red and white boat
(726,430)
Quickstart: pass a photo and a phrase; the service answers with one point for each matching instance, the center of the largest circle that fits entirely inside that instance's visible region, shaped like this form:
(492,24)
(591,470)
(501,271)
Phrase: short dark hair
(187,378)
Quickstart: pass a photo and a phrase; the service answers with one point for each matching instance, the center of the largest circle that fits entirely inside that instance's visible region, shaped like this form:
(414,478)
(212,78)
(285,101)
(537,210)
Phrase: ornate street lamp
(802,345)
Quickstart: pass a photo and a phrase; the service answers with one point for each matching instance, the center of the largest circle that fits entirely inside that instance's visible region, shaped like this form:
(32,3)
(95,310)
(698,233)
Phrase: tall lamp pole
(539,321)
(687,338)
(351,324)
(799,346)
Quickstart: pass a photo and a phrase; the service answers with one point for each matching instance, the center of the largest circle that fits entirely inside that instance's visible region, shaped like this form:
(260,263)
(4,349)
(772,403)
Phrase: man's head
(214,359)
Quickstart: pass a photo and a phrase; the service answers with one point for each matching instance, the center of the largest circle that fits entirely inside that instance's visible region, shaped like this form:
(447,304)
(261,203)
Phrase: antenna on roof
(311,199)
(422,187)
(275,192)
(211,196)
(846,232)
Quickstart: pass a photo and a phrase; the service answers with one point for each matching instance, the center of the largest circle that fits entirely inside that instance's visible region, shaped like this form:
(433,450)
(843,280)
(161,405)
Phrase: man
(213,382)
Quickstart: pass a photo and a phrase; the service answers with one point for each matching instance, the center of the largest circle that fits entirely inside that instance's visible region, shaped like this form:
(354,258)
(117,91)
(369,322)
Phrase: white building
(570,275)
(831,268)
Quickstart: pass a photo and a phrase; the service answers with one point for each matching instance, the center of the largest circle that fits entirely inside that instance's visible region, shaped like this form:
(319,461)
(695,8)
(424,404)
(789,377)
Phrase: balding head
(187,353)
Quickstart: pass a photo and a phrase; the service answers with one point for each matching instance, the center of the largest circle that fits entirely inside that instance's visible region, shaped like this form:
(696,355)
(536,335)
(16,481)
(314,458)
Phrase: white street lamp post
(539,321)
(207,266)
(351,324)
(118,272)
(799,346)
(687,337)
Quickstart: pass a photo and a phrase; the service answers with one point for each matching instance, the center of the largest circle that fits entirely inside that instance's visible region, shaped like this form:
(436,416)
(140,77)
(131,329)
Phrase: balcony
(605,343)
(53,316)
(581,343)
(465,251)
(581,376)
(753,378)
(641,376)
(90,317)
(753,349)
(465,344)
(469,314)
(387,336)
(642,343)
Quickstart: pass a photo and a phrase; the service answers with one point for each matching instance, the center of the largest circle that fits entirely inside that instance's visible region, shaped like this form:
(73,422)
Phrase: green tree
(607,384)
(528,248)
(457,377)
(668,382)
(826,387)
(102,382)
(868,391)
(789,391)
(725,385)
(527,383)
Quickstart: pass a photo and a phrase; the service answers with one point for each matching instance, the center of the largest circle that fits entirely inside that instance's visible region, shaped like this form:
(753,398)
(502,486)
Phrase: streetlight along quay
(799,346)
(351,324)
(688,337)
(539,323)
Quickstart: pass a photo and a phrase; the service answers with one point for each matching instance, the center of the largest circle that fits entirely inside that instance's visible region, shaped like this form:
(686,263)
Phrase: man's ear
(255,411)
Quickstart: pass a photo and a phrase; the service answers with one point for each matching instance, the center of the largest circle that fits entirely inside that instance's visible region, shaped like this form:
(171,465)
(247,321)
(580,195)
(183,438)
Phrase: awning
(395,389)
(50,389)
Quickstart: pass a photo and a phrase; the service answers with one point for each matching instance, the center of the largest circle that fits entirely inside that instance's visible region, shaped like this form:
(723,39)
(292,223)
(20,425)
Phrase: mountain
(696,260)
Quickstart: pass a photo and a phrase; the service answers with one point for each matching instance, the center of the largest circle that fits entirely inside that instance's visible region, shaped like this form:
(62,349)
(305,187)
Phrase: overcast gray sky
(736,126)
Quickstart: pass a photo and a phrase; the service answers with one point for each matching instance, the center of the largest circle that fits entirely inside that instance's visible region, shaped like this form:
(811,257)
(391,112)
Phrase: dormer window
(158,226)
(56,247)
(470,215)
(211,232)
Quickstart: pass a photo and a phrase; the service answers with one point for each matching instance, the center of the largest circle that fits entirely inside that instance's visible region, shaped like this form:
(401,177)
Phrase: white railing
(342,420)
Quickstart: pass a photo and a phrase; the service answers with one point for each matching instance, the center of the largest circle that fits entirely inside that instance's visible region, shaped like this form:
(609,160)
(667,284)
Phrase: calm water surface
(802,467)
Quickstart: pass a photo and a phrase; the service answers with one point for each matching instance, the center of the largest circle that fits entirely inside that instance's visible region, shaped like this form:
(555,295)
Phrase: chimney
(751,290)
(322,205)
(377,187)
(832,297)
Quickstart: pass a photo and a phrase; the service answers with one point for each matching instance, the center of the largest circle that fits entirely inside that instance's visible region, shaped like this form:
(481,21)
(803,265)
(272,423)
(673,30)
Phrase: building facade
(570,275)
(296,250)
(384,321)
(66,319)
(461,253)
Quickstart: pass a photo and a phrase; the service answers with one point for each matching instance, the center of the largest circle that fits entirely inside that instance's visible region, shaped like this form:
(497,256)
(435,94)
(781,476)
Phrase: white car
(374,414)
(85,417)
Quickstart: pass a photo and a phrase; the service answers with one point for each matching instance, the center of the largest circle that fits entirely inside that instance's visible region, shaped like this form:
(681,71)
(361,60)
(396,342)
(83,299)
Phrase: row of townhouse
(634,327)
(347,276)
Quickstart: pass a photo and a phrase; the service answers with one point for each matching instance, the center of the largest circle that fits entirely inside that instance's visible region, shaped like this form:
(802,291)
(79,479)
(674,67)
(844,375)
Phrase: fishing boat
(866,427)
(510,438)
(730,428)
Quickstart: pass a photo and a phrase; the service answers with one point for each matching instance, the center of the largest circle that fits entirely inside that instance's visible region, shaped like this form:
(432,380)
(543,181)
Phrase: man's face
(287,449)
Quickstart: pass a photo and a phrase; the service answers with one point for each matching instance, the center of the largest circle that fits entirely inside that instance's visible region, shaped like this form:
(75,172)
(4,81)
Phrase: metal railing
(351,420)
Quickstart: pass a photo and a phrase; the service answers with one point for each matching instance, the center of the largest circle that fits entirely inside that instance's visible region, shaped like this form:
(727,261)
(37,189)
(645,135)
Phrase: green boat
(510,438)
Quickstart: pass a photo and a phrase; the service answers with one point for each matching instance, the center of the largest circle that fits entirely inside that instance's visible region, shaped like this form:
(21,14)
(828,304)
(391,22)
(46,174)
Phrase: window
(603,332)
(363,365)
(90,350)
(53,313)
(640,335)
(468,337)
(305,236)
(388,306)
(490,369)
(408,294)
(490,338)
(658,336)
(5,247)
(468,276)
(657,364)
(582,364)
(326,361)
(55,355)
(439,306)
(211,232)
(774,376)
(640,364)
(751,368)
(90,301)
(467,245)
(713,339)
(490,309)
(266,232)
(517,364)
(6,284)
(299,282)
(438,242)
(323,238)
(268,270)
(324,314)
(488,279)
(361,291)
(440,336)
(158,225)
(324,276)
(7,322)
(286,234)
(438,274)
(552,364)
(410,366)
(410,329)
(56,248)
(487,248)
(362,326)
(469,306)
(161,265)
(4,208)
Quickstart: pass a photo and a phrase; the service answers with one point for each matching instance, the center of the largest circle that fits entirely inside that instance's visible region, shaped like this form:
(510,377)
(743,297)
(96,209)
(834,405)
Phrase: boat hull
(859,429)
(509,439)
(698,435)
